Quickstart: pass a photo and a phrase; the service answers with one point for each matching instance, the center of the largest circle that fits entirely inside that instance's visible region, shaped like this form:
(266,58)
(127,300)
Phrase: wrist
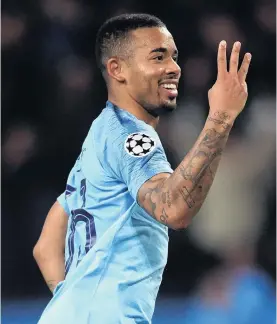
(221,120)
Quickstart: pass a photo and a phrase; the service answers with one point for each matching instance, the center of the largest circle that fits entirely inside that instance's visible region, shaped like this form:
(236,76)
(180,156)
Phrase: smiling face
(152,73)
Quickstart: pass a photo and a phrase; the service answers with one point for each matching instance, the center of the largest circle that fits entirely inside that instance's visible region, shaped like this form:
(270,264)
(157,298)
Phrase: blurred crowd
(52,91)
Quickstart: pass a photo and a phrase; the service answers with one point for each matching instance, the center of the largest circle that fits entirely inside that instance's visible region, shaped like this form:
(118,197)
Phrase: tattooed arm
(174,199)
(49,250)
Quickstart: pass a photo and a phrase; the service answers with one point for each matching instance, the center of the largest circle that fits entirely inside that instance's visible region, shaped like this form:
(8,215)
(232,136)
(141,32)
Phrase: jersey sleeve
(62,201)
(136,157)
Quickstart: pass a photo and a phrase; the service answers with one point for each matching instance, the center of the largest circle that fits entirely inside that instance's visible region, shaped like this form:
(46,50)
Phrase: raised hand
(229,94)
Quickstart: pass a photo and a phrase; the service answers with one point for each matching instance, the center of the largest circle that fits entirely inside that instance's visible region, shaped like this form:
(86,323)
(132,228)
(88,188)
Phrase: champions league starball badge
(139,144)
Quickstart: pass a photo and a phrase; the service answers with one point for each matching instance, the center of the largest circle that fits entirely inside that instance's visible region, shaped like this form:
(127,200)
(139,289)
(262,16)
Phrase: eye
(175,58)
(158,58)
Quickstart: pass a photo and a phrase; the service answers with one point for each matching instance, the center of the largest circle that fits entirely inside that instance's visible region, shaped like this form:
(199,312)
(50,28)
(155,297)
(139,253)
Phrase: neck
(134,108)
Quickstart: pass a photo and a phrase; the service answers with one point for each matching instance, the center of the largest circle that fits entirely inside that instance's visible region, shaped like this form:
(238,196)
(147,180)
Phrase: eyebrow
(162,50)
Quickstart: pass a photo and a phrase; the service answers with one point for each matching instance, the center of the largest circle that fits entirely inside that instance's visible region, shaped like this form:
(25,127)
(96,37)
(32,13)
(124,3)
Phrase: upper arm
(54,229)
(150,192)
(157,198)
(154,197)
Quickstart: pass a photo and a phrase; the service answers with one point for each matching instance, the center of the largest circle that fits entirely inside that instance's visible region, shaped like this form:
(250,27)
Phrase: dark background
(52,91)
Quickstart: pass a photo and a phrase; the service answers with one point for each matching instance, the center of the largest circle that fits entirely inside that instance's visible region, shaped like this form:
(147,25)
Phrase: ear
(115,69)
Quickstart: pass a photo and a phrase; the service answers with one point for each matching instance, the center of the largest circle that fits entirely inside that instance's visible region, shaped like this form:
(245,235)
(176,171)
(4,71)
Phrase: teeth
(169,86)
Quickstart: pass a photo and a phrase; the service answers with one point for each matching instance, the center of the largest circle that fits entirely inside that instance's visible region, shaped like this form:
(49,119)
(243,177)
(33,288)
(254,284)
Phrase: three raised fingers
(234,62)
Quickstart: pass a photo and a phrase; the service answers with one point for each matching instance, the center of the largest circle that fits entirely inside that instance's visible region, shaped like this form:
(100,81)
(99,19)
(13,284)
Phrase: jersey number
(80,215)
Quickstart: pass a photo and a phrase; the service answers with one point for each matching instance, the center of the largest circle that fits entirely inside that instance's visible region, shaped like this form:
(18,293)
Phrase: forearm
(49,250)
(192,180)
(51,265)
(178,198)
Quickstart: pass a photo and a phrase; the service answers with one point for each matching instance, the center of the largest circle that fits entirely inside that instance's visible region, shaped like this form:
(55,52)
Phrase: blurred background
(222,270)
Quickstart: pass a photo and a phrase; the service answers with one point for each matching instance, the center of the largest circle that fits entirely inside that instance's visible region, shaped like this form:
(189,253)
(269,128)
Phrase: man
(122,195)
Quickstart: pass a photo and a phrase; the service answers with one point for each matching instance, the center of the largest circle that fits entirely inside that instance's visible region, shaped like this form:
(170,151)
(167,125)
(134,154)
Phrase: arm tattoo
(168,198)
(185,193)
(220,118)
(191,181)
(150,195)
(164,217)
(198,169)
(154,196)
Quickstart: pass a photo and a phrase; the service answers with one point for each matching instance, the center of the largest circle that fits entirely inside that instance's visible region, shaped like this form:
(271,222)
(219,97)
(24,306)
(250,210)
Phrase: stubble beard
(161,109)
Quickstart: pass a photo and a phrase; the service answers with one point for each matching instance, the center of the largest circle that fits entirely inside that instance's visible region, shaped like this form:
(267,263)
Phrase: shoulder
(115,128)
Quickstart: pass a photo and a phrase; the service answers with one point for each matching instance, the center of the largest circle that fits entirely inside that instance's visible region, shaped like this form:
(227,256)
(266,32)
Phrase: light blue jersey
(115,252)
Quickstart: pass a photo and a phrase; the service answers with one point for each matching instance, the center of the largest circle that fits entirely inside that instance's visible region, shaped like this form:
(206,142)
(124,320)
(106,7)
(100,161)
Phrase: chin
(168,106)
(161,109)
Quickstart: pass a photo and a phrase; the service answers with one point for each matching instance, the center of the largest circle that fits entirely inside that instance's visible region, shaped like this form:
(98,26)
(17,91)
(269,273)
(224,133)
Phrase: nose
(173,68)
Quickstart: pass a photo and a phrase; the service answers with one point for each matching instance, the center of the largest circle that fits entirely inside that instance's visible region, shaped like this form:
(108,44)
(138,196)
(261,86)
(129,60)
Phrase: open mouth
(170,90)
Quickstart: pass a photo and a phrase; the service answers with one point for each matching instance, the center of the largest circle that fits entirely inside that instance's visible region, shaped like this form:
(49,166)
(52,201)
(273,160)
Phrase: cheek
(154,74)
(143,79)
(149,71)
(152,77)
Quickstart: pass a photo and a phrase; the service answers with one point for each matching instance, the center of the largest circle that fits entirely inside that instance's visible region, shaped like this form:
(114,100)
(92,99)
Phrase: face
(153,73)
